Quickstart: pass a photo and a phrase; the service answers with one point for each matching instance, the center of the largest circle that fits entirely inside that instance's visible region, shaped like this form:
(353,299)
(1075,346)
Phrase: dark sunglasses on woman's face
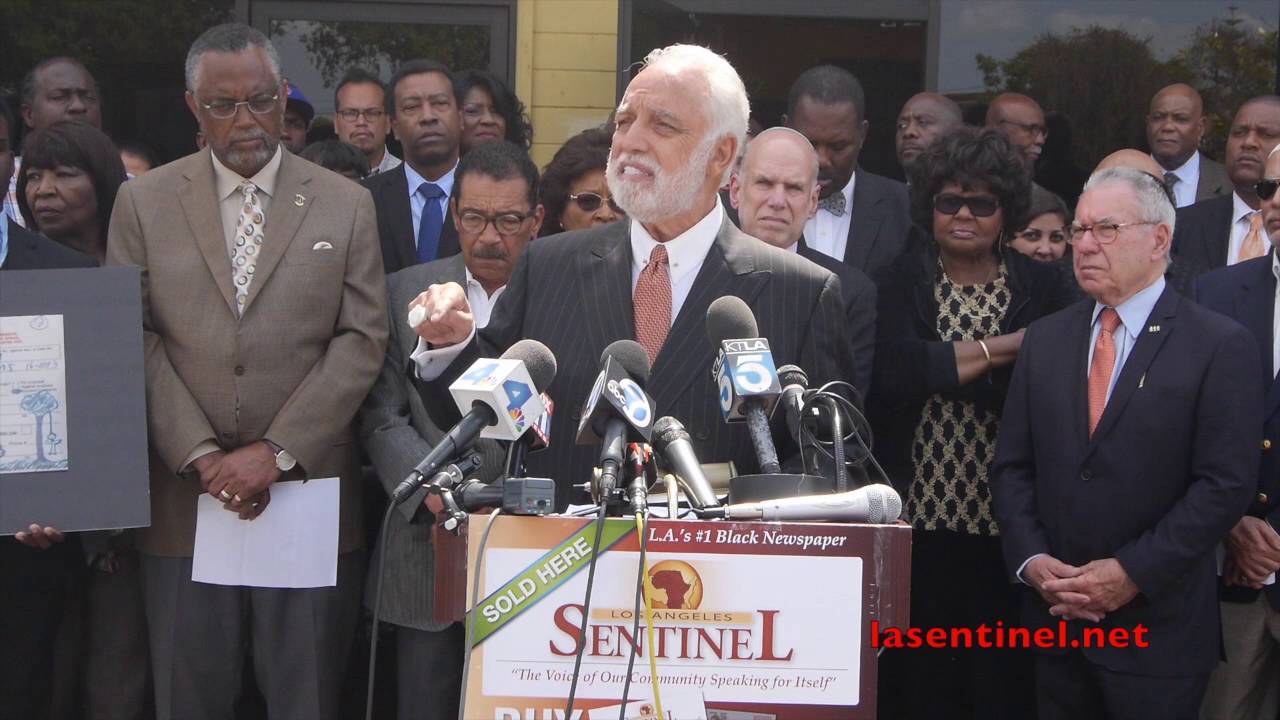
(1266,188)
(979,205)
(590,202)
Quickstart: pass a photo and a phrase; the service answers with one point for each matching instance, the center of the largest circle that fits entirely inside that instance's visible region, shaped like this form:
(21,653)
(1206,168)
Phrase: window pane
(316,53)
(1096,65)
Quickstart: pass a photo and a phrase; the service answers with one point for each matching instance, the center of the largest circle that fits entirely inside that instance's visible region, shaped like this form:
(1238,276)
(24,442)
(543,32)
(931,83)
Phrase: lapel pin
(1142,381)
(1153,328)
(299,200)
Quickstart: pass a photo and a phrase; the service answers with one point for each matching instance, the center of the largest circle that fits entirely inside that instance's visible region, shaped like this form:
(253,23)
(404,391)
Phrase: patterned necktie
(833,203)
(652,303)
(1252,245)
(1170,179)
(431,223)
(248,243)
(1103,365)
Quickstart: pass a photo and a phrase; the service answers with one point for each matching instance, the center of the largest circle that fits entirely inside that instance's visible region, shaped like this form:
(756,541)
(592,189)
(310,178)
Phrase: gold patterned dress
(954,444)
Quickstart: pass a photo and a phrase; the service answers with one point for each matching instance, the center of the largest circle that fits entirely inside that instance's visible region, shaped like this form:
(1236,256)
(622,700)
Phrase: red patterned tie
(1103,365)
(652,303)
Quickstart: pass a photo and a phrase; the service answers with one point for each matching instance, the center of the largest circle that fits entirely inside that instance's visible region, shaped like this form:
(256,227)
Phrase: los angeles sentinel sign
(751,620)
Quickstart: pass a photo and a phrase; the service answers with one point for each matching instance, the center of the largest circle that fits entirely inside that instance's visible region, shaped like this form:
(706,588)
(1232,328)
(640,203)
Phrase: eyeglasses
(1105,233)
(590,202)
(1266,188)
(371,114)
(1034,234)
(979,205)
(227,109)
(506,223)
(1029,128)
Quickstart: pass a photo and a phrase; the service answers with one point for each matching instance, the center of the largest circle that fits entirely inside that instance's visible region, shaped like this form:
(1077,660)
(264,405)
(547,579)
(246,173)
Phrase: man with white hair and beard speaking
(679,127)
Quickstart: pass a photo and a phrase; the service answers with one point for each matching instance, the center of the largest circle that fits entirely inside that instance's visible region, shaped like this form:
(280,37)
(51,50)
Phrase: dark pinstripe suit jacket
(573,292)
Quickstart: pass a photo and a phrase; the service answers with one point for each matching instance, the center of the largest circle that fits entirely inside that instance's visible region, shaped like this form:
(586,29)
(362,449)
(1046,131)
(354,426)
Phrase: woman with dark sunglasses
(950,320)
(573,190)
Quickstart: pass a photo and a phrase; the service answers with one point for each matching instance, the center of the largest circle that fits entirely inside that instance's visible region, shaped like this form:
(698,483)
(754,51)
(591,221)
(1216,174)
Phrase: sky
(1001,28)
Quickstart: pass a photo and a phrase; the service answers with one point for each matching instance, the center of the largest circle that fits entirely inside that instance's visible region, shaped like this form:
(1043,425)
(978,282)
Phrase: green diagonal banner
(542,577)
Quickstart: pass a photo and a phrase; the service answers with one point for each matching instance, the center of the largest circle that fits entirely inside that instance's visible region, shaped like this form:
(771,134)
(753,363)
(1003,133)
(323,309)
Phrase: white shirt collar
(685,251)
(1275,267)
(228,180)
(1239,208)
(1189,168)
(473,283)
(794,247)
(415,180)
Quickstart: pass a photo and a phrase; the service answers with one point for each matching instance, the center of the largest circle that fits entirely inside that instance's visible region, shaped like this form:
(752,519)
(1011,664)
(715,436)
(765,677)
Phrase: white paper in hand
(292,544)
(416,315)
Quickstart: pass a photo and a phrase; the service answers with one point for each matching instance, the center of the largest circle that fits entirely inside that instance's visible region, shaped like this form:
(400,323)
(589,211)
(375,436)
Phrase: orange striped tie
(1252,245)
(652,303)
(1104,363)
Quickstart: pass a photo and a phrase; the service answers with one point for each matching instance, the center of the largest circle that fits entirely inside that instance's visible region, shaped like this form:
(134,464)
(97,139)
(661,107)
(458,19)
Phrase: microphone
(875,504)
(794,384)
(745,374)
(536,438)
(672,441)
(617,409)
(498,399)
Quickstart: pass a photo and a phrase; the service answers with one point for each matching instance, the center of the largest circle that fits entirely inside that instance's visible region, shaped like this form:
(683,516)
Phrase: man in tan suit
(264,328)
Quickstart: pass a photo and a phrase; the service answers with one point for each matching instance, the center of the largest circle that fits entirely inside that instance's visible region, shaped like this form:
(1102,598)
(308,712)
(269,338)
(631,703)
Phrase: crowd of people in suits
(1075,397)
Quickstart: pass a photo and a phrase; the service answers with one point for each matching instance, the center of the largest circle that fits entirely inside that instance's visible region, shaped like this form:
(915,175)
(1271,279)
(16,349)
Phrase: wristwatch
(284,461)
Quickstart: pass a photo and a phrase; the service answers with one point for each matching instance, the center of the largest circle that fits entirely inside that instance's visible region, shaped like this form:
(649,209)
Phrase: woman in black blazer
(951,314)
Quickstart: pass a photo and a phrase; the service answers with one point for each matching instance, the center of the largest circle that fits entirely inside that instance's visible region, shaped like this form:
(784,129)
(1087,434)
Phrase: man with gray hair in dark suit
(495,209)
(652,278)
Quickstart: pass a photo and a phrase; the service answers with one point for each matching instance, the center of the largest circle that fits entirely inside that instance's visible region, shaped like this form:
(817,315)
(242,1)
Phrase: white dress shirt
(389,162)
(685,254)
(1184,191)
(1240,213)
(417,202)
(827,233)
(431,363)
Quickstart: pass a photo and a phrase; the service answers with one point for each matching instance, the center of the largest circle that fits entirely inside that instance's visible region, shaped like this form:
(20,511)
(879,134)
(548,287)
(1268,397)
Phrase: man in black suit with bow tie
(862,218)
(679,127)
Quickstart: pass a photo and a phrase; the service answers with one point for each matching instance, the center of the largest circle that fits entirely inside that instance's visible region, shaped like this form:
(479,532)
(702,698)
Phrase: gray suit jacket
(1213,179)
(398,430)
(293,368)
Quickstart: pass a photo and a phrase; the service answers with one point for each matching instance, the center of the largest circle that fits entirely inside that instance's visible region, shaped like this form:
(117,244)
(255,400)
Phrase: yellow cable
(648,621)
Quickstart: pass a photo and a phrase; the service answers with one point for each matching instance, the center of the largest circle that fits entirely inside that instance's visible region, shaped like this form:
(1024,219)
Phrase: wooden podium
(752,620)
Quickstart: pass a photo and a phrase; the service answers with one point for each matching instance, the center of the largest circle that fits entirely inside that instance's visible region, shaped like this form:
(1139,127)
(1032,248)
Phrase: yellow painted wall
(566,67)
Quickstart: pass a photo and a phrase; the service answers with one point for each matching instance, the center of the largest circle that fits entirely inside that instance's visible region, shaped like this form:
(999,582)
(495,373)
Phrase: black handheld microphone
(745,374)
(498,389)
(794,384)
(617,410)
(671,440)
